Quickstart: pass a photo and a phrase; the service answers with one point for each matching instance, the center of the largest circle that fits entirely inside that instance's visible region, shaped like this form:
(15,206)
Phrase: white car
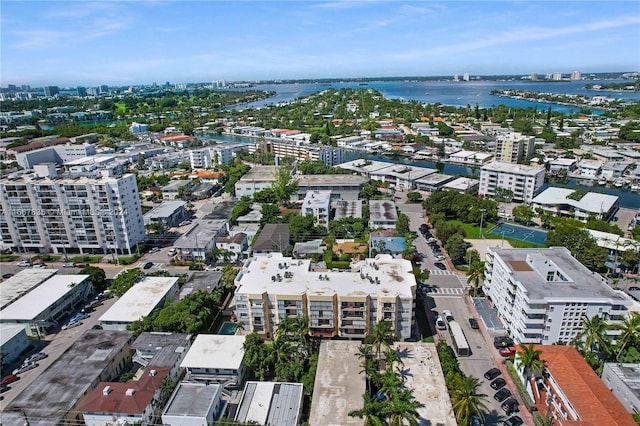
(25,368)
(154,250)
(33,358)
(71,325)
(24,264)
(447,315)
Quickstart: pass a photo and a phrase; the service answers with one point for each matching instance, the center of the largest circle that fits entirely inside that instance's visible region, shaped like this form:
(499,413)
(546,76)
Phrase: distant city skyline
(128,43)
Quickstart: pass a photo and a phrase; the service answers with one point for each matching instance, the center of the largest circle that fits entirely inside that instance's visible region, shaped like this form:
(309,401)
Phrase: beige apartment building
(343,304)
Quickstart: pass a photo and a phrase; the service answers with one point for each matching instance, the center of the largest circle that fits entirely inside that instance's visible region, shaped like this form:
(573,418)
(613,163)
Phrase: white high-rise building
(200,158)
(576,75)
(521,182)
(465,77)
(345,304)
(514,147)
(318,205)
(542,295)
(557,76)
(98,214)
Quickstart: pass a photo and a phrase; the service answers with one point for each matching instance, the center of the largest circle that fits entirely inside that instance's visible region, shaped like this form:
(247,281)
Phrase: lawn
(8,257)
(86,259)
(473,233)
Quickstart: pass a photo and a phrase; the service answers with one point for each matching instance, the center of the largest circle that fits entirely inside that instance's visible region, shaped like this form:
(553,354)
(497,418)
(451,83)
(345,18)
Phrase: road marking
(440,272)
(445,290)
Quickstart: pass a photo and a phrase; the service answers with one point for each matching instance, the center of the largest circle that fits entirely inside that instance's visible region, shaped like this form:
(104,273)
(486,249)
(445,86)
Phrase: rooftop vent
(106,390)
(130,392)
(153,372)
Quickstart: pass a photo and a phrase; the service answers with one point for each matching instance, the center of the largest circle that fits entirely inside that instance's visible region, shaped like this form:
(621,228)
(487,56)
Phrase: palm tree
(593,331)
(371,411)
(630,328)
(475,276)
(402,407)
(238,326)
(381,335)
(365,353)
(467,401)
(529,357)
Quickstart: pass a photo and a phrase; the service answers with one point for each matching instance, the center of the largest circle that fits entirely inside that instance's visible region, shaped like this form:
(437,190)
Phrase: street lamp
(482,212)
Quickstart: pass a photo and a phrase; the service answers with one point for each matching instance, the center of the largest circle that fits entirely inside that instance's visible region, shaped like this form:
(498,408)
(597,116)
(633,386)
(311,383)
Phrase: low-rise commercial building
(462,185)
(542,295)
(215,358)
(270,403)
(13,342)
(382,214)
(168,214)
(344,304)
(96,356)
(592,204)
(45,305)
(139,301)
(194,404)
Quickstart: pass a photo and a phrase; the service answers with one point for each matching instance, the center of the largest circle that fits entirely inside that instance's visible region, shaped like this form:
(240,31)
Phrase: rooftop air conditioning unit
(130,392)
(106,390)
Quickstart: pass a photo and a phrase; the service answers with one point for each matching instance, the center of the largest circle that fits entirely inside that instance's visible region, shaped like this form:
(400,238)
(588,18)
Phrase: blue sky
(134,42)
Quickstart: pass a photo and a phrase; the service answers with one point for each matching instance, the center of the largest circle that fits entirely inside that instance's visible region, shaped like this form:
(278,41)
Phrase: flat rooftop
(21,283)
(423,373)
(167,348)
(382,210)
(201,233)
(316,199)
(581,285)
(305,181)
(347,208)
(629,374)
(592,202)
(32,304)
(394,278)
(192,399)
(260,174)
(58,389)
(270,403)
(140,300)
(167,208)
(519,169)
(461,184)
(215,351)
(338,386)
(435,179)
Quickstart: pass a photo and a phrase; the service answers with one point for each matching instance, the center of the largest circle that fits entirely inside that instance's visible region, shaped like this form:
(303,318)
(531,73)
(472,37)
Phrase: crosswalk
(440,272)
(444,291)
(157,265)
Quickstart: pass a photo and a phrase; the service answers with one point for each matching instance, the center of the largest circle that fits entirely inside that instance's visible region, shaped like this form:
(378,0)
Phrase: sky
(120,43)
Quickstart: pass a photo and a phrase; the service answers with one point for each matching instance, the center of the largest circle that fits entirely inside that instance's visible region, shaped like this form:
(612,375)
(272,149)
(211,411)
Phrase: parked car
(447,315)
(440,265)
(498,383)
(9,378)
(615,275)
(440,257)
(97,327)
(172,252)
(39,266)
(506,352)
(154,250)
(35,357)
(513,421)
(492,374)
(81,265)
(147,265)
(79,317)
(24,264)
(5,276)
(502,394)
(69,325)
(69,265)
(474,323)
(440,324)
(25,367)
(510,406)
(634,288)
(4,388)
(502,342)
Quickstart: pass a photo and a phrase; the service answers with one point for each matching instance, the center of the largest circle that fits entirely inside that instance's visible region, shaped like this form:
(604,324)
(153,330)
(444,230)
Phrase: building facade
(56,214)
(624,381)
(318,205)
(514,147)
(514,181)
(344,304)
(542,295)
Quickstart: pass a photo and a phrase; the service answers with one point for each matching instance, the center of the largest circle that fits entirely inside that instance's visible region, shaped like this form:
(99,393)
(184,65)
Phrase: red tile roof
(589,396)
(118,402)
(176,138)
(37,145)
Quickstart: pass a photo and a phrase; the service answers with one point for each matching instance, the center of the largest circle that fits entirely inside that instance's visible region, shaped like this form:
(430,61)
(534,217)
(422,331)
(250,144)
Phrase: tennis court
(521,233)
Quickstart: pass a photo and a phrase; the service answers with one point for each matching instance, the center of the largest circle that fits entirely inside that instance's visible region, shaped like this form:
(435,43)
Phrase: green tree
(124,281)
(475,276)
(529,357)
(523,212)
(414,197)
(467,401)
(629,333)
(381,335)
(284,186)
(97,277)
(402,225)
(593,331)
(456,246)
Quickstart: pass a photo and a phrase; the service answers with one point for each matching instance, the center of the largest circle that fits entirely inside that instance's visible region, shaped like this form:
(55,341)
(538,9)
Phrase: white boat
(602,182)
(635,187)
(618,183)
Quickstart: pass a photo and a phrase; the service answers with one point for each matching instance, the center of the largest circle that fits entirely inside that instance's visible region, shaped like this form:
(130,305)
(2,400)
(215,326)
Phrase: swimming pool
(521,233)
(228,328)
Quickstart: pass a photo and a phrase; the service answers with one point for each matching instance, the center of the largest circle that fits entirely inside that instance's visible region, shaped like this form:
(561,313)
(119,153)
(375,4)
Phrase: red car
(506,352)
(9,379)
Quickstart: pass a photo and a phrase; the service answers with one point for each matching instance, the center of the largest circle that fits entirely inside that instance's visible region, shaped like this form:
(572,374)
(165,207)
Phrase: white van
(440,324)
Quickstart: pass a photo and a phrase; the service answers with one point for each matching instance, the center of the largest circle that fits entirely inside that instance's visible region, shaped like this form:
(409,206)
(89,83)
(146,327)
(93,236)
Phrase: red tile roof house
(572,393)
(133,401)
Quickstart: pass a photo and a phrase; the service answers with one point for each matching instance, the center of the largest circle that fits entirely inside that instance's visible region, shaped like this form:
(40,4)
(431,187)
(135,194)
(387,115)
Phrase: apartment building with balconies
(344,304)
(514,147)
(515,181)
(318,205)
(90,214)
(542,295)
